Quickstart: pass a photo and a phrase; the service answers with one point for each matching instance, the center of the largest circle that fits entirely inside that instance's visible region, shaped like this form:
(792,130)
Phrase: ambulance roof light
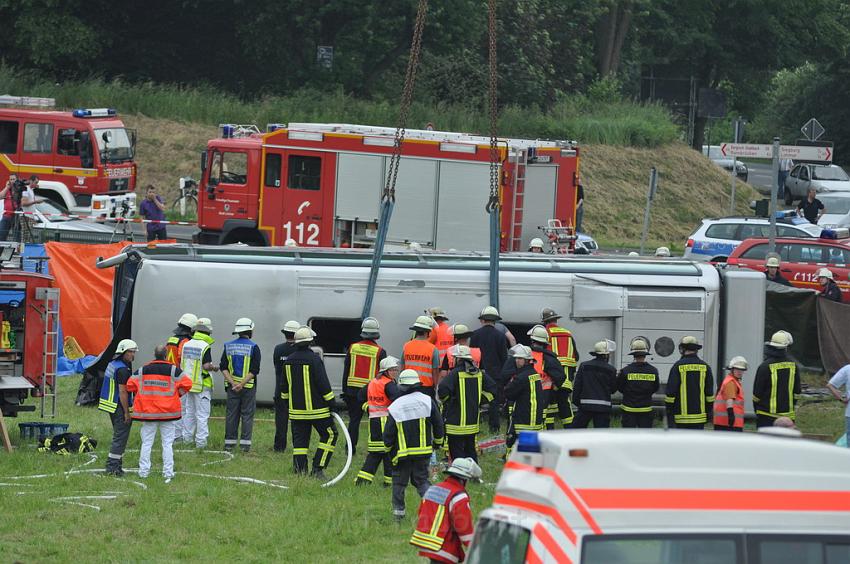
(528,441)
(94,112)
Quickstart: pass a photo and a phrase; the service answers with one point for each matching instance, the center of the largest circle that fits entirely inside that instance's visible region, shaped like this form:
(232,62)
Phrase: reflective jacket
(418,355)
(109,397)
(174,347)
(196,353)
(414,427)
(637,382)
(444,529)
(378,396)
(361,364)
(462,392)
(721,415)
(156,387)
(308,389)
(595,381)
(552,374)
(281,352)
(690,390)
(452,350)
(776,384)
(241,357)
(525,390)
(442,338)
(563,345)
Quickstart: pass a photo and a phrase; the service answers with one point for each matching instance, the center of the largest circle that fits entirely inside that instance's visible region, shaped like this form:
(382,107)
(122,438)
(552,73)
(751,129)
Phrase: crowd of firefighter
(427,403)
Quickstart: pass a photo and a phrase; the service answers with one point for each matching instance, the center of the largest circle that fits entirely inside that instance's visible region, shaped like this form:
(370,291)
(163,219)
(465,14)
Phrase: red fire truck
(83,158)
(321,185)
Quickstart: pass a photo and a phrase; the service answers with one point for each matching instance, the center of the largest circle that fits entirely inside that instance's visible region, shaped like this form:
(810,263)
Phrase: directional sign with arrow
(813,130)
(793,152)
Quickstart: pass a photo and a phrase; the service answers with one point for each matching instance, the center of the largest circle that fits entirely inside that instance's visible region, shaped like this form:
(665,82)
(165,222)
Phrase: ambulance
(668,497)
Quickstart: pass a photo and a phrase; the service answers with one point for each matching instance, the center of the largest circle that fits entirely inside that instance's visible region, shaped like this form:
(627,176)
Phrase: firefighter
(414,428)
(552,375)
(637,382)
(310,398)
(777,382)
(662,252)
(378,395)
(595,381)
(524,392)
(494,353)
(444,529)
(182,334)
(536,245)
(441,333)
(729,400)
(462,392)
(281,401)
(461,334)
(240,365)
(115,401)
(197,363)
(690,387)
(562,343)
(361,365)
(158,387)
(421,356)
(829,289)
(771,267)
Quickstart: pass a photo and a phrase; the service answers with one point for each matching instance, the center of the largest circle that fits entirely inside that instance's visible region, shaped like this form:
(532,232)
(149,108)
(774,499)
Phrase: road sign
(793,152)
(813,130)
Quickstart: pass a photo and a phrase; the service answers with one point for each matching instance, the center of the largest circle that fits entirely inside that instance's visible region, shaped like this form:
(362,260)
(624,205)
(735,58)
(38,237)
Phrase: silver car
(837,208)
(823,178)
(49,222)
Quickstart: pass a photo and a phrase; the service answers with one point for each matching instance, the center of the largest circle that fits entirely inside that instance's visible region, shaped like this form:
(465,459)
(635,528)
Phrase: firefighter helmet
(290,326)
(536,243)
(125,345)
(465,469)
(520,351)
(243,324)
(438,313)
(388,363)
(738,362)
(539,334)
(548,314)
(780,340)
(422,323)
(690,343)
(489,313)
(304,335)
(772,262)
(603,347)
(662,252)
(639,347)
(205,322)
(460,331)
(462,352)
(370,328)
(408,377)
(825,273)
(188,320)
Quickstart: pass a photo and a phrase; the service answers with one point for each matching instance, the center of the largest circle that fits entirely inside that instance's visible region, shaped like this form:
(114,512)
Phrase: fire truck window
(38,137)
(305,173)
(8,137)
(215,169)
(273,162)
(68,142)
(334,334)
(234,168)
(758,252)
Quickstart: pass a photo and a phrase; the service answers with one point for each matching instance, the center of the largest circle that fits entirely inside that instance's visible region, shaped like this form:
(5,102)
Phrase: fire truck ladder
(521,161)
(50,353)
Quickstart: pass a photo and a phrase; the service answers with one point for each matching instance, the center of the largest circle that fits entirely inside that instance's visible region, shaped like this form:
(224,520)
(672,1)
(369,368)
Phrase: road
(761,176)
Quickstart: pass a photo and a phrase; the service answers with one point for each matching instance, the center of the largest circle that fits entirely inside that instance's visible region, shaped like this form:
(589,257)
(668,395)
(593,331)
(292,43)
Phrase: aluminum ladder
(518,188)
(50,353)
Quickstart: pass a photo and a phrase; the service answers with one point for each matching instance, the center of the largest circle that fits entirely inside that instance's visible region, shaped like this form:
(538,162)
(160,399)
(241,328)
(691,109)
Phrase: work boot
(398,515)
(246,449)
(361,482)
(318,474)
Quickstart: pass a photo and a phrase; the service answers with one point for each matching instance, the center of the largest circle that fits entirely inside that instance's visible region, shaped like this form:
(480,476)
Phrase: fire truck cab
(83,158)
(668,497)
(320,185)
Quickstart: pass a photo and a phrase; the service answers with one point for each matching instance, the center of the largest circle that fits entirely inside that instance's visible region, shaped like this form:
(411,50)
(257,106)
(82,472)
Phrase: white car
(586,242)
(823,178)
(49,222)
(837,208)
(715,239)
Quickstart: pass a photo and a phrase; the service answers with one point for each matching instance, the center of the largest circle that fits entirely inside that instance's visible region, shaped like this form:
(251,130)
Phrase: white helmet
(290,326)
(290,243)
(422,323)
(536,243)
(462,352)
(243,324)
(662,252)
(205,322)
(490,313)
(825,273)
(387,363)
(738,362)
(438,313)
(539,334)
(780,340)
(304,335)
(639,347)
(125,345)
(188,320)
(414,246)
(634,254)
(408,377)
(772,262)
(521,351)
(370,328)
(464,468)
(604,347)
(460,331)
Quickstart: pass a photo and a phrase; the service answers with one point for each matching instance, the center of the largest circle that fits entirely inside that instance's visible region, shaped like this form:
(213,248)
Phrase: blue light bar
(274,127)
(96,112)
(528,441)
(227,131)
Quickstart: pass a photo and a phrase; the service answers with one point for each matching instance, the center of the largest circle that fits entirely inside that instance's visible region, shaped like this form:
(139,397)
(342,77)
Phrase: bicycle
(186,203)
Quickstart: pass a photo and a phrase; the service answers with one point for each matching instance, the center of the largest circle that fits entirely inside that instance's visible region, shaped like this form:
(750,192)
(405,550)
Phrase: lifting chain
(493,202)
(406,100)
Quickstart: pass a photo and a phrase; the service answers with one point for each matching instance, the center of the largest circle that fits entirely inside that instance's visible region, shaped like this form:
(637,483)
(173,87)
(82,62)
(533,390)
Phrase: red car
(801,259)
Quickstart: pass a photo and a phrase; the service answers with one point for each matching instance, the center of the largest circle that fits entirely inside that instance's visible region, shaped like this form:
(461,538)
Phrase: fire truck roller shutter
(359,183)
(539,200)
(462,222)
(416,188)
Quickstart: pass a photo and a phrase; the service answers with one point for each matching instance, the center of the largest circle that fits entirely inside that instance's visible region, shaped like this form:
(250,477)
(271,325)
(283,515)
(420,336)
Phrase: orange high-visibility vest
(561,341)
(442,338)
(376,397)
(156,388)
(418,355)
(721,417)
(545,380)
(476,356)
(363,364)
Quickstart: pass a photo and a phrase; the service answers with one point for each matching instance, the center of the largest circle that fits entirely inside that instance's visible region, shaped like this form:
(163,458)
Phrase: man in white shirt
(839,379)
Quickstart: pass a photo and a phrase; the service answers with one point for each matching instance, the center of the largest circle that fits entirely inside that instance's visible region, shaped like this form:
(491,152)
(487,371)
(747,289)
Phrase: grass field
(211,517)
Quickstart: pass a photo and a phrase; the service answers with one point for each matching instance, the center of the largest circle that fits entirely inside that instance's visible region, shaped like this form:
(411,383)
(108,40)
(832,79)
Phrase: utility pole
(650,195)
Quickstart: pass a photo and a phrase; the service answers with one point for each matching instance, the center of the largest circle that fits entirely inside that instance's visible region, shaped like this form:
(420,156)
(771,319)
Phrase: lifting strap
(493,206)
(388,197)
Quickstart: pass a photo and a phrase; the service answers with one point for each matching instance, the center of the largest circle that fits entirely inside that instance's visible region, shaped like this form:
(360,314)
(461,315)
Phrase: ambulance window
(38,137)
(273,162)
(234,168)
(334,334)
(498,541)
(8,137)
(672,549)
(305,173)
(68,142)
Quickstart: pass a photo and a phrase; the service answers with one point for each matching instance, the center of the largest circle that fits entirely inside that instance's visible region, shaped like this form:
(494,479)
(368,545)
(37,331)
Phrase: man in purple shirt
(154,208)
